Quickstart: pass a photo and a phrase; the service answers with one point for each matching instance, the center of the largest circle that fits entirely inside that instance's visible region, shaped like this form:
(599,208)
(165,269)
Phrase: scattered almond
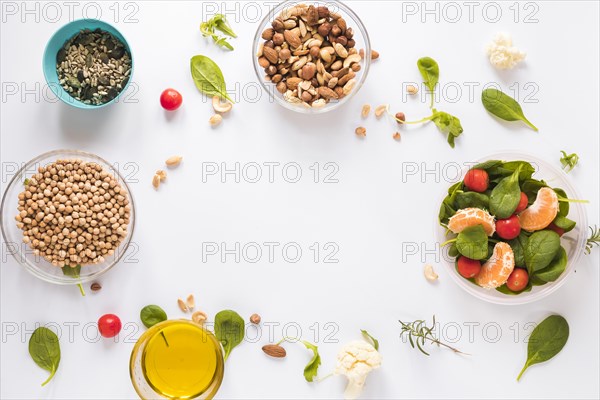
(199,317)
(380,110)
(162,175)
(255,319)
(412,89)
(215,120)
(155,181)
(361,131)
(397,136)
(173,162)
(190,303)
(182,305)
(429,273)
(274,350)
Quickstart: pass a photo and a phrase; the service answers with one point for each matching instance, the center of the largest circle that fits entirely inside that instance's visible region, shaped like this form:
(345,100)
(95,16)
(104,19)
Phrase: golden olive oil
(181,361)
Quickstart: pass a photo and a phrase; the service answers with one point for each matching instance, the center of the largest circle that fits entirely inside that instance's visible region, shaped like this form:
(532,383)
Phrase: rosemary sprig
(419,333)
(593,240)
(569,161)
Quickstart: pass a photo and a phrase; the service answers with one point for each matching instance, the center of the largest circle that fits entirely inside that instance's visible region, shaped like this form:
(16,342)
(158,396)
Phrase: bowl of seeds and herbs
(88,64)
(311,57)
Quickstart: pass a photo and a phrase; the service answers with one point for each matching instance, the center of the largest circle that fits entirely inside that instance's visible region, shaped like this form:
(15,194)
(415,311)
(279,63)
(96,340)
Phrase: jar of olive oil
(177,359)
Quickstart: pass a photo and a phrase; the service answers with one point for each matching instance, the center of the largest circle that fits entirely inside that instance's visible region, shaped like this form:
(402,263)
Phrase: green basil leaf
(472,242)
(518,245)
(540,250)
(546,341)
(44,349)
(471,199)
(229,330)
(370,338)
(503,106)
(557,266)
(430,71)
(208,77)
(152,315)
(311,369)
(505,196)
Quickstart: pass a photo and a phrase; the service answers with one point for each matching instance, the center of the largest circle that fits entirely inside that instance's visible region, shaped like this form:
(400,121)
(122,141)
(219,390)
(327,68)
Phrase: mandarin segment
(468,217)
(495,272)
(542,212)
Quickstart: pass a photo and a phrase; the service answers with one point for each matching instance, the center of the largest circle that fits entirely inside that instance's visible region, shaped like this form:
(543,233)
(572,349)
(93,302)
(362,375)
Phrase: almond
(271,55)
(312,16)
(274,350)
(326,93)
(292,38)
(292,83)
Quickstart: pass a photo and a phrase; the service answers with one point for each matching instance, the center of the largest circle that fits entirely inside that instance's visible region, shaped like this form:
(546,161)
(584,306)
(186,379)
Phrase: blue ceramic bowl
(58,40)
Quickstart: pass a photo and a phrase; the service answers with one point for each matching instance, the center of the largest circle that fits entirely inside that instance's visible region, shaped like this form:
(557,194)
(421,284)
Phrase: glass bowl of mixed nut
(311,57)
(88,64)
(67,216)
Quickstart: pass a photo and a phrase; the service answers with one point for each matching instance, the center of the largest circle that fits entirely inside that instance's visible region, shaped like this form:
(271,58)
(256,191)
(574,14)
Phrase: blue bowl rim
(72,101)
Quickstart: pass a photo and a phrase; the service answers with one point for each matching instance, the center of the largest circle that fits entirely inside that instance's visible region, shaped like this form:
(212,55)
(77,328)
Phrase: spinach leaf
(503,106)
(453,251)
(152,315)
(472,242)
(471,199)
(74,272)
(430,71)
(531,186)
(311,369)
(505,196)
(518,245)
(44,349)
(540,250)
(563,206)
(505,290)
(370,338)
(447,123)
(208,77)
(486,165)
(557,266)
(229,330)
(508,168)
(564,223)
(447,208)
(535,281)
(546,341)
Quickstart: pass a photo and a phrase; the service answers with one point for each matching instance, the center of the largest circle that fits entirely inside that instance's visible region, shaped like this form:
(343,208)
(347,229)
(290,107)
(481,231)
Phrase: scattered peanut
(190,303)
(374,54)
(182,306)
(162,174)
(255,319)
(380,110)
(412,89)
(429,273)
(173,162)
(361,131)
(366,109)
(156,181)
(199,317)
(215,120)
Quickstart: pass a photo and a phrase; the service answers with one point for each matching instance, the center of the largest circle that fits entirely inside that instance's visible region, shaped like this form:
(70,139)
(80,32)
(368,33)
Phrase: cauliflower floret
(502,53)
(355,361)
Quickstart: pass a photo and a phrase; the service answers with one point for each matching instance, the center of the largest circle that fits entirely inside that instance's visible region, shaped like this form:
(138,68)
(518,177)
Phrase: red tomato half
(477,180)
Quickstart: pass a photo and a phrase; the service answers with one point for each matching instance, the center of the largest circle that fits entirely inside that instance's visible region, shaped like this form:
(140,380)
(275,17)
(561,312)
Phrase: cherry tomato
(556,229)
(171,99)
(518,280)
(523,202)
(477,180)
(508,228)
(468,268)
(109,325)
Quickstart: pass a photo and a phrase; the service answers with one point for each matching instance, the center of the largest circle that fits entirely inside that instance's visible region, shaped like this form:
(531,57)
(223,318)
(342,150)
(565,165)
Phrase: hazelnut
(324,29)
(306,96)
(255,318)
(285,54)
(271,70)
(278,39)
(342,40)
(268,33)
(277,25)
(314,51)
(263,62)
(269,43)
(281,87)
(336,30)
(351,43)
(309,71)
(323,12)
(276,78)
(400,117)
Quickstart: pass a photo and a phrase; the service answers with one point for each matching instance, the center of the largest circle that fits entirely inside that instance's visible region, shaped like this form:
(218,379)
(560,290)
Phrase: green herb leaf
(44,349)
(219,22)
(370,338)
(229,330)
(503,106)
(311,369)
(569,161)
(430,71)
(152,315)
(557,266)
(505,196)
(472,242)
(593,240)
(546,341)
(447,123)
(540,250)
(208,77)
(74,272)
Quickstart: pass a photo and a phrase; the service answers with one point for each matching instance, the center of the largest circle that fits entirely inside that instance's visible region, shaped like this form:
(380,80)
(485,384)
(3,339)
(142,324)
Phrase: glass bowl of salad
(33,260)
(294,12)
(512,229)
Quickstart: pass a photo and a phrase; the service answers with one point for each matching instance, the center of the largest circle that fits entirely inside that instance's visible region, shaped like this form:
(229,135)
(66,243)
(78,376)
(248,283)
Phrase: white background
(370,214)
